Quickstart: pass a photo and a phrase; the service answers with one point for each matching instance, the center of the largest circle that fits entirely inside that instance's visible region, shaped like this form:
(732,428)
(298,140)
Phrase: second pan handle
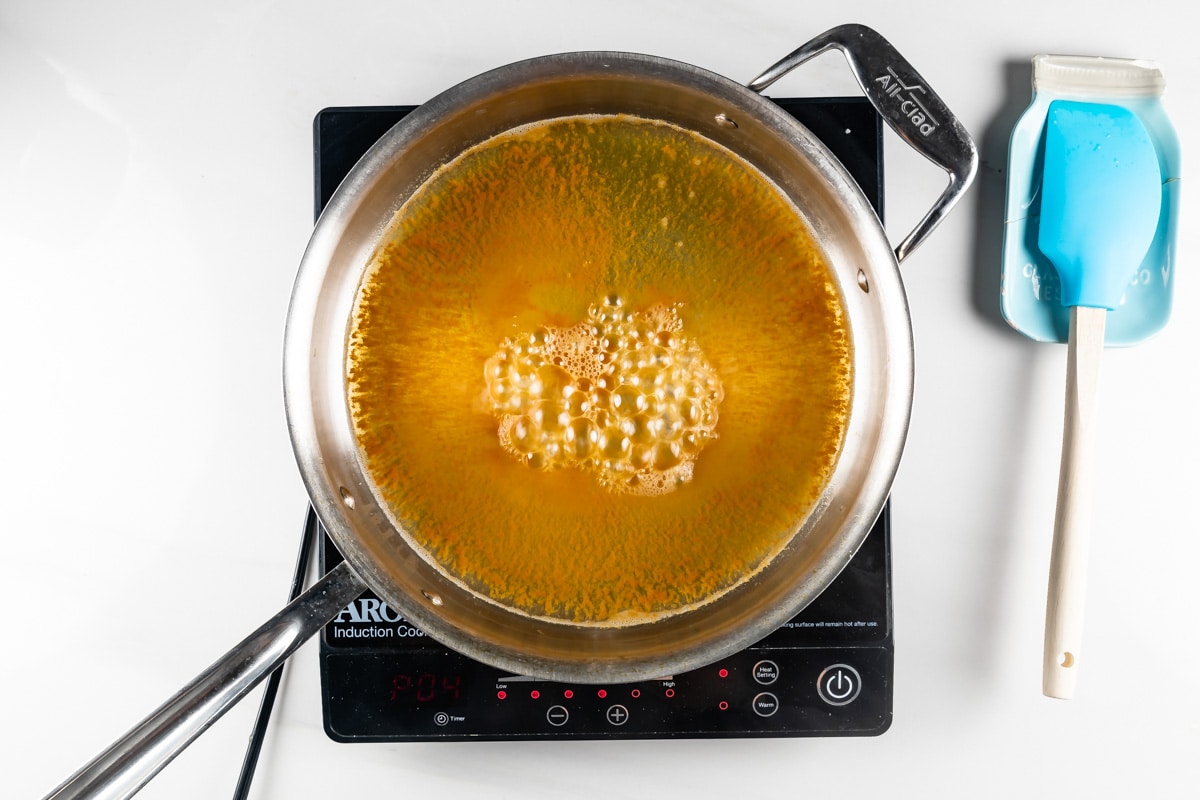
(906,103)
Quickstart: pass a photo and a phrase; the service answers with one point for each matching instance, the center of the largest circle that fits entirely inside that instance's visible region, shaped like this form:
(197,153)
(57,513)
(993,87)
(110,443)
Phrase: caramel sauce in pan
(539,232)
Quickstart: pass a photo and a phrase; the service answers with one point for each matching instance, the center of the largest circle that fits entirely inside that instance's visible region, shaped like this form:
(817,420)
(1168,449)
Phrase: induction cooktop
(827,672)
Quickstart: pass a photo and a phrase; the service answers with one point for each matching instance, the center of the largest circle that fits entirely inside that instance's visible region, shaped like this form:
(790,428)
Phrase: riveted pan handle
(905,101)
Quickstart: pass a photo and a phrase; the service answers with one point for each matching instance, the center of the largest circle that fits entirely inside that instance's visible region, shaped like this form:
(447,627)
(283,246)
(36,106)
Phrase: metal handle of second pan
(906,102)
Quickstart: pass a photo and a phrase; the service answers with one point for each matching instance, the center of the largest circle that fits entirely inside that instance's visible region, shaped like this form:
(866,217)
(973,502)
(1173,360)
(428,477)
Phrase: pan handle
(905,101)
(130,762)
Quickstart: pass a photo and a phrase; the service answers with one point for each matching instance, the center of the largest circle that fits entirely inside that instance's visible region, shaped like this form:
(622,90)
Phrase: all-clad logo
(910,97)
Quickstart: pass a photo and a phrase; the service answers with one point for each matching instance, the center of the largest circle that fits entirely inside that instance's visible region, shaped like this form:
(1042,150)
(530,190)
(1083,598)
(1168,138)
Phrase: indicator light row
(568,694)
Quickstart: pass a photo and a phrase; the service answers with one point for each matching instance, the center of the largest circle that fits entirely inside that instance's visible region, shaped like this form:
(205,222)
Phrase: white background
(155,198)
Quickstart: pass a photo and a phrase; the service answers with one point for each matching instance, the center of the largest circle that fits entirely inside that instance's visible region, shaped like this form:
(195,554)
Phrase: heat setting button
(765,672)
(839,684)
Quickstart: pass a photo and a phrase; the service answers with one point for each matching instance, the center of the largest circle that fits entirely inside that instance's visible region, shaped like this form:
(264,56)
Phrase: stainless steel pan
(864,263)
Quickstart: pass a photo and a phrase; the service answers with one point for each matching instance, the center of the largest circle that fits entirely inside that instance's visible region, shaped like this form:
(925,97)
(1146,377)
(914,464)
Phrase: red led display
(426,687)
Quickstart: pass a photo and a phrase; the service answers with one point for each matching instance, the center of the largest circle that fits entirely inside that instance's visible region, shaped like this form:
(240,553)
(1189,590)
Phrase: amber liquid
(528,230)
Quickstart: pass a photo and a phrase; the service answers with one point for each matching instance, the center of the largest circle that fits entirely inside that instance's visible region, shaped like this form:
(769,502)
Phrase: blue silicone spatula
(1101,197)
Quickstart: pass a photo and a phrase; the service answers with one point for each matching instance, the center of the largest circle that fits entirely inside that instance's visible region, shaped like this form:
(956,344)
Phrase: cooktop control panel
(828,672)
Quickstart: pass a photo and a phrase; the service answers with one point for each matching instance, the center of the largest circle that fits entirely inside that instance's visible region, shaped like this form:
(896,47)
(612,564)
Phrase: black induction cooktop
(827,672)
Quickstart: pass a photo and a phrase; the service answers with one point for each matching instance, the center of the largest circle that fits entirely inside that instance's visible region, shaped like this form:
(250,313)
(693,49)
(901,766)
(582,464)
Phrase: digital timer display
(422,688)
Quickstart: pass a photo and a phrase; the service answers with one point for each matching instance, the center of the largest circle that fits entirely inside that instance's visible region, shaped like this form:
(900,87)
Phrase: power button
(839,684)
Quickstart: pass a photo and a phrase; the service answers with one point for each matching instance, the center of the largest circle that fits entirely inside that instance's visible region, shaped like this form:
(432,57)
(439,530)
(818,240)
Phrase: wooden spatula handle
(1072,521)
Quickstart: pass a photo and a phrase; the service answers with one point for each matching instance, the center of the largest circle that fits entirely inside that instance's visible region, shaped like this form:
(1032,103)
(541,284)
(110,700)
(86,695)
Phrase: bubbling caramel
(624,396)
(584,265)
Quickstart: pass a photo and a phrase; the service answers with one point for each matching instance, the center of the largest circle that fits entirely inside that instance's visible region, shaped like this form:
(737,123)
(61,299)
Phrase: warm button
(765,704)
(839,684)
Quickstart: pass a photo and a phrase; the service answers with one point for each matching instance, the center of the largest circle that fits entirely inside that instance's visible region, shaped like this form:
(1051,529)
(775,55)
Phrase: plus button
(617,715)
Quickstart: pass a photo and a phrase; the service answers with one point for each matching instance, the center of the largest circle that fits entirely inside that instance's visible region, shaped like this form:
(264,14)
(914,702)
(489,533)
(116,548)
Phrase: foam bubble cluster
(623,395)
